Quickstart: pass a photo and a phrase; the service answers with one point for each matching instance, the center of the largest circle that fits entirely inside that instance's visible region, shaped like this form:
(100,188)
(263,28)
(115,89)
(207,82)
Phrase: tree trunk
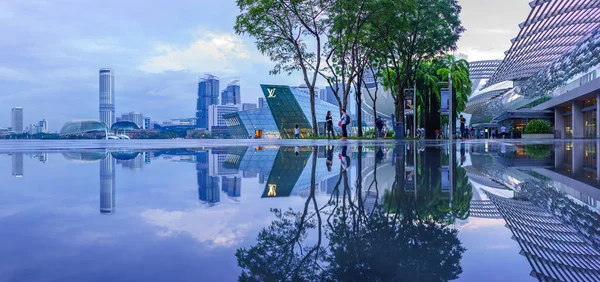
(315,127)
(359,110)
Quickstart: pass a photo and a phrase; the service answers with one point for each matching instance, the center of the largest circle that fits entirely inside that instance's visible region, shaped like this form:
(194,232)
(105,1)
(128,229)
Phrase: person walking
(463,123)
(345,120)
(379,126)
(329,126)
(297,132)
(503,131)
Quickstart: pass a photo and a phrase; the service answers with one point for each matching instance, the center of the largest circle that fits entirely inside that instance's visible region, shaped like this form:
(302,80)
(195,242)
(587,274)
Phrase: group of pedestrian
(382,129)
(343,123)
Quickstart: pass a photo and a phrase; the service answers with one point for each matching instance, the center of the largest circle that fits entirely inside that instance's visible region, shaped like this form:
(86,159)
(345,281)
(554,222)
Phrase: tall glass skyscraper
(208,94)
(107,185)
(107,96)
(231,94)
(17,119)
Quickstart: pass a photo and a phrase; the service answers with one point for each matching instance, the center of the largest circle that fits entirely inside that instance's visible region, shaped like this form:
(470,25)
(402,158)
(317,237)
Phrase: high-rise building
(216,113)
(208,94)
(17,119)
(43,126)
(231,94)
(262,103)
(107,185)
(208,186)
(107,96)
(148,123)
(232,186)
(248,106)
(135,117)
(17,164)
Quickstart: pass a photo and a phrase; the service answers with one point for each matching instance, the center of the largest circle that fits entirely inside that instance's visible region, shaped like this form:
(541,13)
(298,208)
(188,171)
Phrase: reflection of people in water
(329,160)
(379,155)
(462,154)
(297,150)
(344,158)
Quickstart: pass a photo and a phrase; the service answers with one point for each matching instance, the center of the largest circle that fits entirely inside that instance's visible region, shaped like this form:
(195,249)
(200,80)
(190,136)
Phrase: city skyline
(158,63)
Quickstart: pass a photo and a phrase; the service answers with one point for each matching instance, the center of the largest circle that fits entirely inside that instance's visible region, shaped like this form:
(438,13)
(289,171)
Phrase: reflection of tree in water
(362,246)
(430,201)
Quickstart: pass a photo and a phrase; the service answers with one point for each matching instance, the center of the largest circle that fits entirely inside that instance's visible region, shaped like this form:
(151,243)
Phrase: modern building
(262,103)
(231,94)
(135,117)
(258,124)
(107,185)
(84,127)
(148,125)
(124,126)
(216,113)
(551,67)
(248,106)
(17,119)
(208,186)
(231,185)
(291,106)
(43,126)
(17,164)
(208,94)
(107,96)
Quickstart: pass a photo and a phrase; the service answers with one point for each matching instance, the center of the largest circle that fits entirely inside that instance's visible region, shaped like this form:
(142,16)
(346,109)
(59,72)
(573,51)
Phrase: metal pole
(415,110)
(451,110)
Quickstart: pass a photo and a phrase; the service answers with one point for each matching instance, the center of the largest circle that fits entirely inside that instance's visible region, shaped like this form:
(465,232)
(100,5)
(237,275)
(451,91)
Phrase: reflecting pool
(412,211)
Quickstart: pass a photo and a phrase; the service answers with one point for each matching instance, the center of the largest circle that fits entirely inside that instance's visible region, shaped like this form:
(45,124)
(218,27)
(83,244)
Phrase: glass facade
(208,94)
(231,94)
(81,127)
(258,123)
(291,107)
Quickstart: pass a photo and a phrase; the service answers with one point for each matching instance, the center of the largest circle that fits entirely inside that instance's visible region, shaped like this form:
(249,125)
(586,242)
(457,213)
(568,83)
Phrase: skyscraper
(107,96)
(208,94)
(135,117)
(43,126)
(231,94)
(262,103)
(148,123)
(17,119)
(17,164)
(107,185)
(248,106)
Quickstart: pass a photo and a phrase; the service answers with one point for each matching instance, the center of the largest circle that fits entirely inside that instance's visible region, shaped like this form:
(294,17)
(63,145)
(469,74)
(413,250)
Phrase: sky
(51,51)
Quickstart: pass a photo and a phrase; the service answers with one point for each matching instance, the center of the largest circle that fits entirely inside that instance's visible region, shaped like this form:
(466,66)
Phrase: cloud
(212,51)
(11,74)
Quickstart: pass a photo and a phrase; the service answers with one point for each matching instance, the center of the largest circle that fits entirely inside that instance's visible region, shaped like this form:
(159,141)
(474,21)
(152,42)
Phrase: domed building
(124,126)
(89,128)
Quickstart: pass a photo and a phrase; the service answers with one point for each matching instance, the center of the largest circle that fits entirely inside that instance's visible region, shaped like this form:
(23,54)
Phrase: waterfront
(299,210)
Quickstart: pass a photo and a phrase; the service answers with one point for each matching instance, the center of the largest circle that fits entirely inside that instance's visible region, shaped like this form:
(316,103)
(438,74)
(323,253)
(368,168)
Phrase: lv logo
(271,92)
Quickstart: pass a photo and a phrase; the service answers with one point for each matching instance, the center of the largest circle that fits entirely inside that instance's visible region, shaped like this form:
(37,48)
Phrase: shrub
(537,126)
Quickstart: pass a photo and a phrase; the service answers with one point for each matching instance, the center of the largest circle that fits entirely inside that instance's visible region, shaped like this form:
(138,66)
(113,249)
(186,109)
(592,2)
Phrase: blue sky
(51,51)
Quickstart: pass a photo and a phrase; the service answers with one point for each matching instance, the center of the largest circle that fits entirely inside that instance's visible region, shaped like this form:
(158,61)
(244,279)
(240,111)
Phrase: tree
(347,50)
(410,32)
(291,34)
(461,83)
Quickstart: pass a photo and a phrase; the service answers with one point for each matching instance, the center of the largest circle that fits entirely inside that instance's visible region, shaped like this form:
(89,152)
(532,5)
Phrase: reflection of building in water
(107,185)
(135,163)
(555,250)
(208,186)
(17,164)
(231,185)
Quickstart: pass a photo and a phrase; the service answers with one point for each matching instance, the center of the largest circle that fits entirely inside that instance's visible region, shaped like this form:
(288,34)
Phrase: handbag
(340,123)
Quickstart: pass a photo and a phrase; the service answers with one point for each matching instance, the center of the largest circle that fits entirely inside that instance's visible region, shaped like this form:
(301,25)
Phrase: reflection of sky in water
(52,229)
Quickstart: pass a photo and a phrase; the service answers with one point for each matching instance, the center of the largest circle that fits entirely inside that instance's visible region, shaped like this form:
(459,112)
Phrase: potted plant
(537,129)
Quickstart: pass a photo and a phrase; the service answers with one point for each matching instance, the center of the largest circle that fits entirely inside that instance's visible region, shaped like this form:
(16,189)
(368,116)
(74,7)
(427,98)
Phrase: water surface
(371,211)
